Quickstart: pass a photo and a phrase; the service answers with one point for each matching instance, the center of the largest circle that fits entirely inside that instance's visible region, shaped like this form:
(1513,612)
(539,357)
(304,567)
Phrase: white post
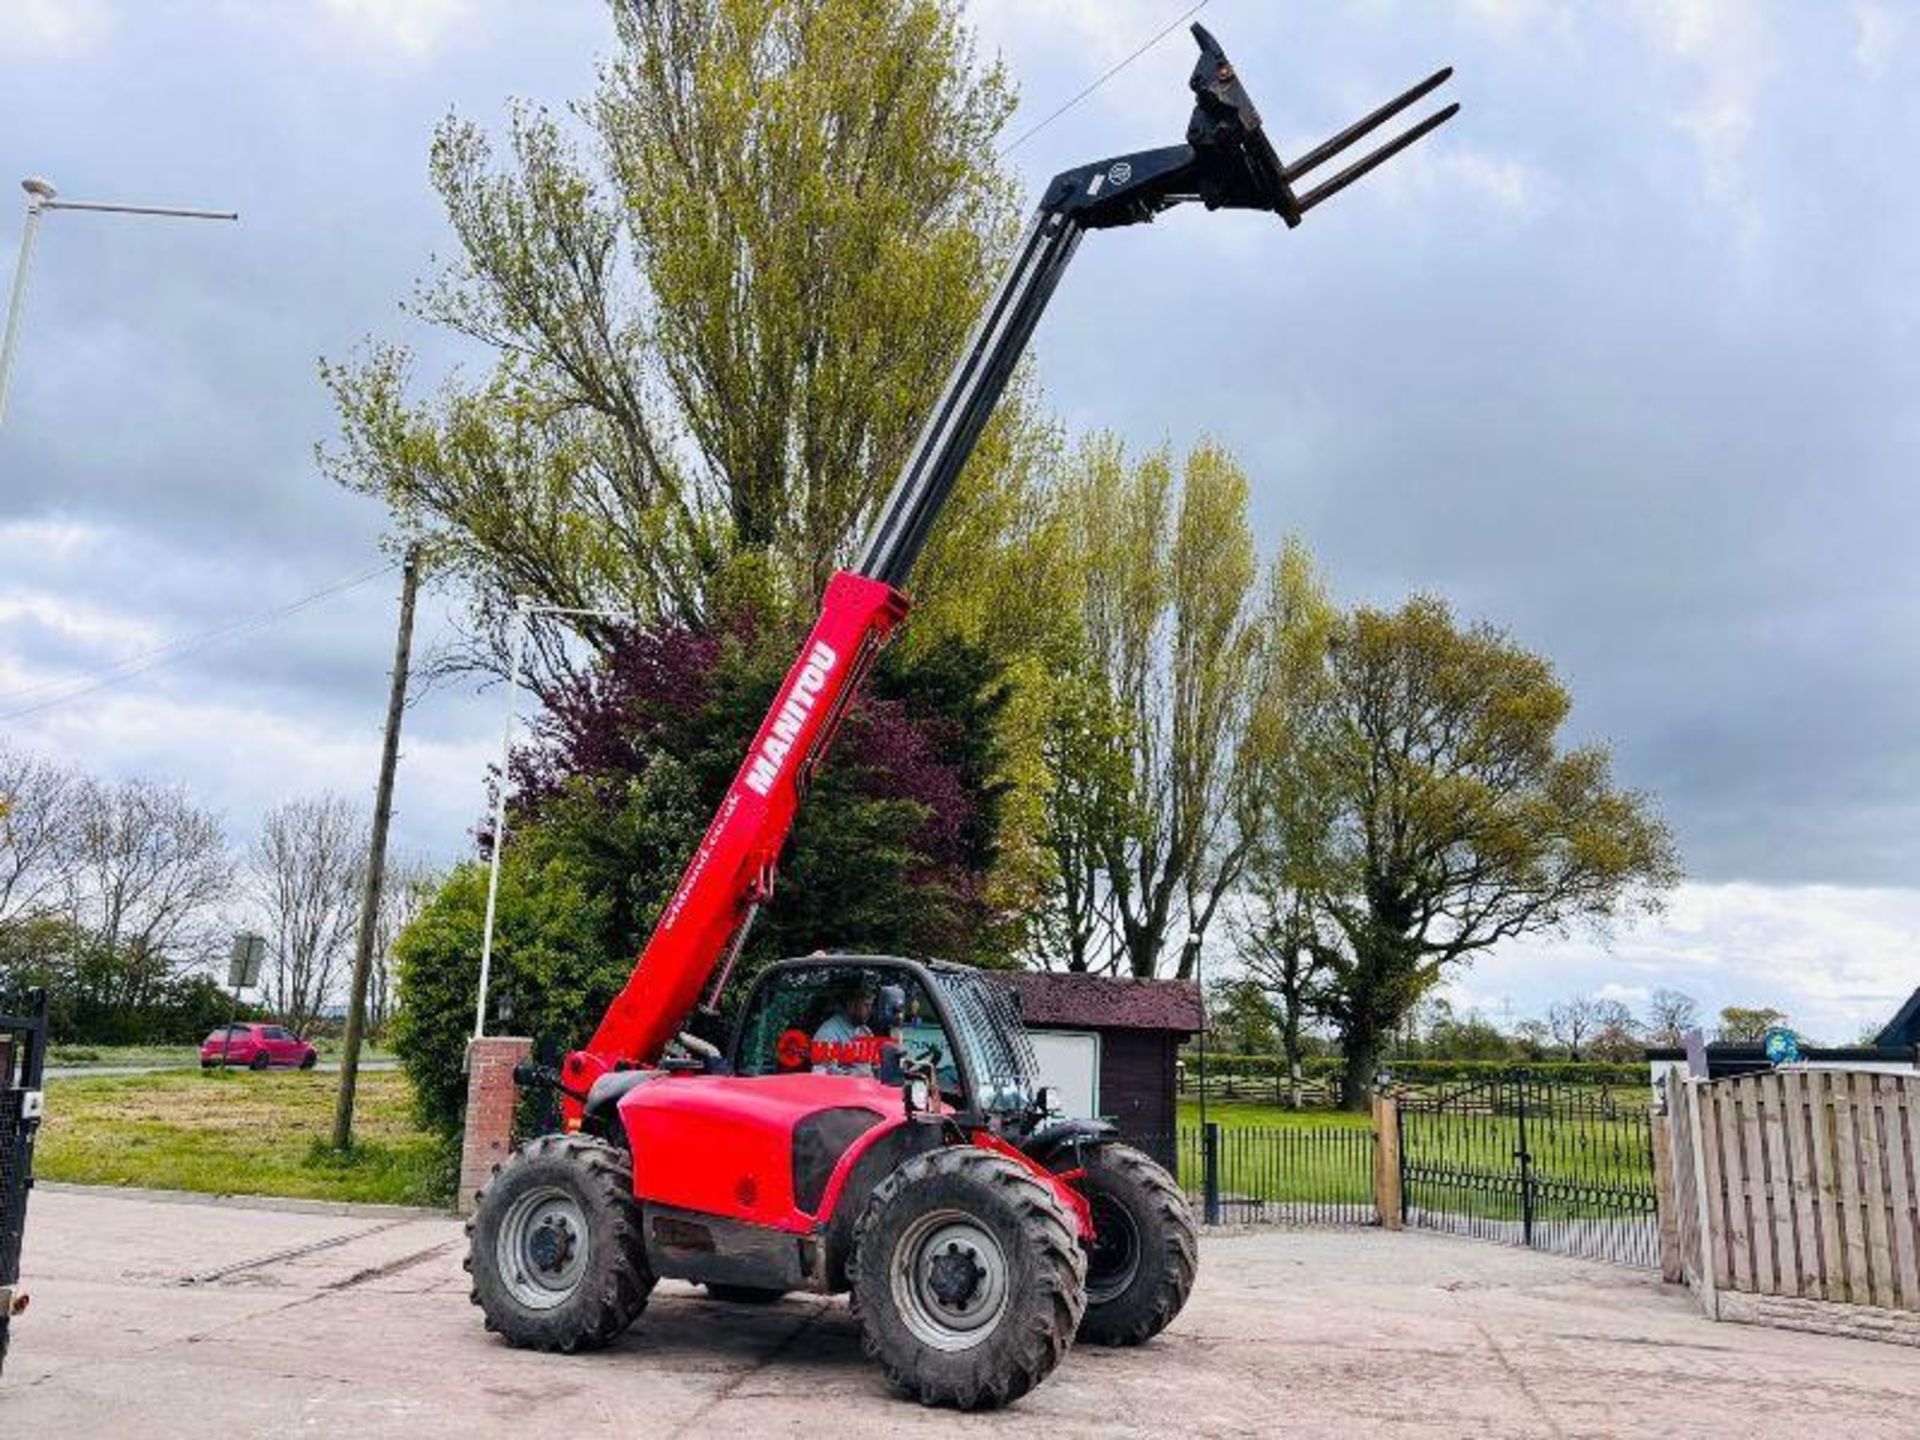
(19,301)
(500,819)
(1704,1203)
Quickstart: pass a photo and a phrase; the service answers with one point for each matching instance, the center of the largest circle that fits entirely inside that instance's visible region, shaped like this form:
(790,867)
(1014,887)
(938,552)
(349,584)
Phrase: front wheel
(967,1279)
(554,1246)
(1145,1251)
(309,1060)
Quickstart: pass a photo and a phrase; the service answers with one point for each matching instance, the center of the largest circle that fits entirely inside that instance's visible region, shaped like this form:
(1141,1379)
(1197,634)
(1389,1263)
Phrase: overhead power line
(73,687)
(1106,75)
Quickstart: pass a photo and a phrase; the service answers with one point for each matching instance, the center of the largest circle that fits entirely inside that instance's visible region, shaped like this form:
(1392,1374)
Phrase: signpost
(244,960)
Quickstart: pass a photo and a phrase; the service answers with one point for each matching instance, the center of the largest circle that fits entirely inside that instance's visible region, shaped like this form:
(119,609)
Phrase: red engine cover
(723,1144)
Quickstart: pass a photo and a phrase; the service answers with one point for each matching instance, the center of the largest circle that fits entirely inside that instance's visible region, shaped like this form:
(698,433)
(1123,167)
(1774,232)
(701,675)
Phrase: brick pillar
(491,1095)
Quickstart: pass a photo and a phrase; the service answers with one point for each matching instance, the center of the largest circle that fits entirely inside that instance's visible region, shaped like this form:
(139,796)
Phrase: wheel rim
(950,1280)
(1114,1257)
(542,1249)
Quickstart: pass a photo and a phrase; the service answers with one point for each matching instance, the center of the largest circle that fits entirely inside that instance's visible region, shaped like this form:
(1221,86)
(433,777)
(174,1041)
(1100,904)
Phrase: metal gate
(1537,1162)
(23,1055)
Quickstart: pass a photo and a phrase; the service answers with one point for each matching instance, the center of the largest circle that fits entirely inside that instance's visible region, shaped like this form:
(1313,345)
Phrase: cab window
(841,1019)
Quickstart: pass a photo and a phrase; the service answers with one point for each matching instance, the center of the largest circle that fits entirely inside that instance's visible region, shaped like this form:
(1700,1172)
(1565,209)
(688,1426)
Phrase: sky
(1621,360)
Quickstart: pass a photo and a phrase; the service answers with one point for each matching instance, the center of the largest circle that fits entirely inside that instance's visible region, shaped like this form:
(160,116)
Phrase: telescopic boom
(1227,162)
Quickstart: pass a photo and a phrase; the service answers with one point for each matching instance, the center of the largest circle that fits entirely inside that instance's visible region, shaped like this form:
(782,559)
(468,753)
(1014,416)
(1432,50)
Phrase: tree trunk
(1290,1042)
(1360,1046)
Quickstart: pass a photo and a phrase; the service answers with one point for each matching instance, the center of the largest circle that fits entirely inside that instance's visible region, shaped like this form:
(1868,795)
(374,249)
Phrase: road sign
(244,961)
(1782,1046)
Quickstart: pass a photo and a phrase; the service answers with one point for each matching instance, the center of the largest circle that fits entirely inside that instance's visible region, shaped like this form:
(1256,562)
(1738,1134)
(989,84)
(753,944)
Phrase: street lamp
(42,197)
(523,612)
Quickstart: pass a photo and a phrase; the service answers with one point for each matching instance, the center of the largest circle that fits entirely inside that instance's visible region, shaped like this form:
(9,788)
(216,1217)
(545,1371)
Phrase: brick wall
(491,1095)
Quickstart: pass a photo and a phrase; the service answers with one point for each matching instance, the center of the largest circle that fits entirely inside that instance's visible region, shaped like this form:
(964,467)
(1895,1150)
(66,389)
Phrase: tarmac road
(153,1316)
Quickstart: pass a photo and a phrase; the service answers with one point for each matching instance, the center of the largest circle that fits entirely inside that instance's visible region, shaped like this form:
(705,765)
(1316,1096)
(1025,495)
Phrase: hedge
(1418,1072)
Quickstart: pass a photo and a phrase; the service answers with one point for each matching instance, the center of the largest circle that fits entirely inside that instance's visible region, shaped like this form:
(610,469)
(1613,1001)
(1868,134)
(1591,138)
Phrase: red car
(256,1047)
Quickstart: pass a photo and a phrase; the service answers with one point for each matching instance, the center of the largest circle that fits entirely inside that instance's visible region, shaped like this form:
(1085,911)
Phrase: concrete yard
(153,1317)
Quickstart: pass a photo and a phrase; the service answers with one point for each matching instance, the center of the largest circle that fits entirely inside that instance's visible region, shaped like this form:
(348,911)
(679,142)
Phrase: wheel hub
(542,1247)
(951,1280)
(954,1275)
(1113,1260)
(551,1245)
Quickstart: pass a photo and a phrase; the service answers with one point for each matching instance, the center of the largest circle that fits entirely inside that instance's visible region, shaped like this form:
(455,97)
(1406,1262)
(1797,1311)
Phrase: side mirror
(1047,1100)
(919,1095)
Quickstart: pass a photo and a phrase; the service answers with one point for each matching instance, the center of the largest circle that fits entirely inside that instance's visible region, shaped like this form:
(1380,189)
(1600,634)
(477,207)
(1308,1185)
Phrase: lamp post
(42,197)
(523,612)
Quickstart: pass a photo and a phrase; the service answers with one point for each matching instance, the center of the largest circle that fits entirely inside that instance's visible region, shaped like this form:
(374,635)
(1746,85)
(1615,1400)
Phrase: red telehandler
(874,1125)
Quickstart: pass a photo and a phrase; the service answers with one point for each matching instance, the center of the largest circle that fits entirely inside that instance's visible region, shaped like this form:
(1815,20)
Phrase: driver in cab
(856,1018)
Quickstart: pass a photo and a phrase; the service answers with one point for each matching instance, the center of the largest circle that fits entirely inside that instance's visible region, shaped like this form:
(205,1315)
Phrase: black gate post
(1210,1171)
(1525,1157)
(23,1056)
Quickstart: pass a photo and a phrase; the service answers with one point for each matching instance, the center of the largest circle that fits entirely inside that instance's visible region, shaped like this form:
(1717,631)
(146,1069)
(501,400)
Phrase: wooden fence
(1802,1184)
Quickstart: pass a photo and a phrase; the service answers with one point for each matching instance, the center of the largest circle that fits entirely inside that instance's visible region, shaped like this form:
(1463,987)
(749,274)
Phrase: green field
(1582,1165)
(1286,1157)
(240,1133)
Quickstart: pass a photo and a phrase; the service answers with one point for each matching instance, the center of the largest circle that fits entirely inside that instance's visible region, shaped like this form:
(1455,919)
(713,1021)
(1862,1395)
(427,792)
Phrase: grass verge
(240,1133)
(79,1057)
(1267,1117)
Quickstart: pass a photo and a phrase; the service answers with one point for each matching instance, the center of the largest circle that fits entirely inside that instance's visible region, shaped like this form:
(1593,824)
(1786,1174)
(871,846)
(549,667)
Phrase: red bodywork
(725,1142)
(741,1128)
(732,870)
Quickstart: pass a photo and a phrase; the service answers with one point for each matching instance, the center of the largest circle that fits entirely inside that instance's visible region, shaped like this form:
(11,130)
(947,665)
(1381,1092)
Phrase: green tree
(1199,668)
(719,297)
(1286,957)
(1457,820)
(1089,806)
(1240,1019)
(1452,1038)
(1747,1024)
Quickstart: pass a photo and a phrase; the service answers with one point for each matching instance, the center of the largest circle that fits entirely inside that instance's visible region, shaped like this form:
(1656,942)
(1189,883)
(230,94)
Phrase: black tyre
(1145,1251)
(967,1279)
(744,1294)
(309,1060)
(554,1246)
(259,1061)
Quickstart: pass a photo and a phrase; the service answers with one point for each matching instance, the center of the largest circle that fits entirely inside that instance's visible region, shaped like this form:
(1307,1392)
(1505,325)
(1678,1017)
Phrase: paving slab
(152,1317)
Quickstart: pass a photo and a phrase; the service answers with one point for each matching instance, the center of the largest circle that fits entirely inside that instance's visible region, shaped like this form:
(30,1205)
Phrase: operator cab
(863,1015)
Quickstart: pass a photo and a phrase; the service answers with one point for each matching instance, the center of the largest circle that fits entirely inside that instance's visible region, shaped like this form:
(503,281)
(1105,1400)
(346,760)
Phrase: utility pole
(376,856)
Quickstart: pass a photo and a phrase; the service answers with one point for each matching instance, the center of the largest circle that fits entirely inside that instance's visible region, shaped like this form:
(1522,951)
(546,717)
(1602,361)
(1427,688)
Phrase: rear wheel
(554,1246)
(1145,1252)
(259,1061)
(967,1279)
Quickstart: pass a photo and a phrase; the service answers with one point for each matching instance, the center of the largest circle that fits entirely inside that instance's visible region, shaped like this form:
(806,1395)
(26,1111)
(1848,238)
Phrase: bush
(83,981)
(550,976)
